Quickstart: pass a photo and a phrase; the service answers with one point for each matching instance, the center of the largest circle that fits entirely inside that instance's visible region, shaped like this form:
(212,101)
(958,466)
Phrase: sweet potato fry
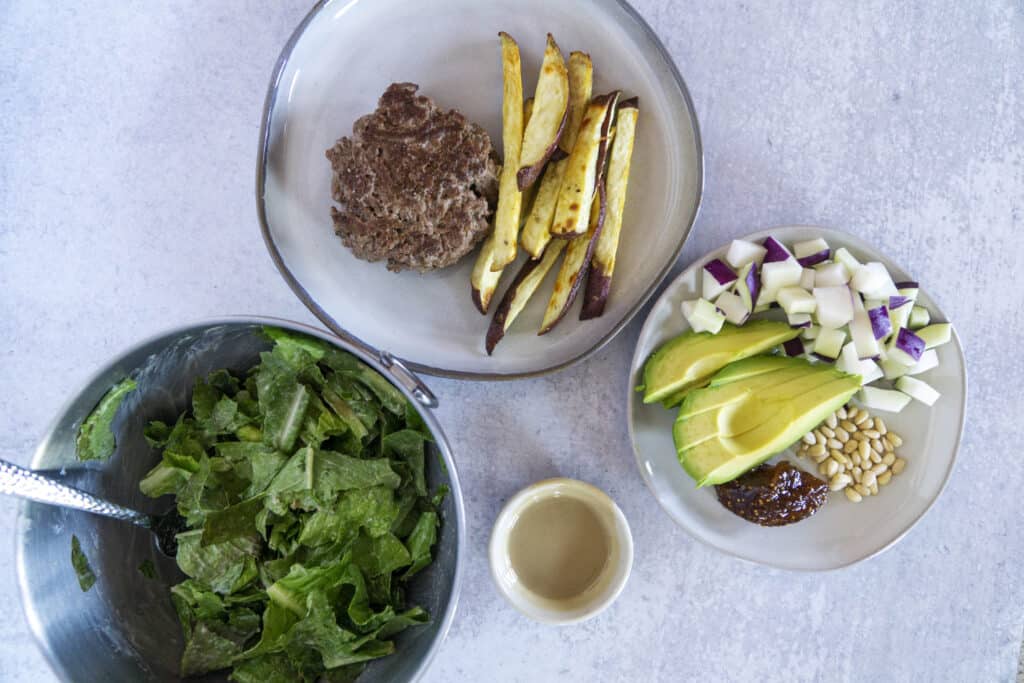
(599,279)
(542,133)
(519,292)
(507,215)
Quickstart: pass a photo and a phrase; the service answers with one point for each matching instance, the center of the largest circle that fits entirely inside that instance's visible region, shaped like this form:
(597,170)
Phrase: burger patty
(414,184)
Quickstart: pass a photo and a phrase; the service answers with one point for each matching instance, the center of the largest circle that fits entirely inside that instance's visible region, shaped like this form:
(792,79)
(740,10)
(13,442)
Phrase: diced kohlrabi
(810,332)
(873,280)
(891,369)
(834,306)
(793,347)
(888,400)
(775,251)
(919,317)
(742,252)
(908,289)
(799,319)
(850,363)
(905,348)
(898,317)
(935,334)
(717,278)
(733,307)
(831,275)
(809,247)
(748,284)
(897,301)
(862,334)
(807,279)
(778,274)
(918,390)
(703,316)
(796,300)
(929,360)
(843,256)
(829,343)
(881,325)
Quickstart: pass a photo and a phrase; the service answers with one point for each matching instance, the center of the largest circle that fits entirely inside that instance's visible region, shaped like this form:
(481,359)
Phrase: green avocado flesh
(753,409)
(687,361)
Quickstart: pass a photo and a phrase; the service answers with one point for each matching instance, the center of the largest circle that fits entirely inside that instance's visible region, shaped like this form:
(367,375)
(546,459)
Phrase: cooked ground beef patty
(416,185)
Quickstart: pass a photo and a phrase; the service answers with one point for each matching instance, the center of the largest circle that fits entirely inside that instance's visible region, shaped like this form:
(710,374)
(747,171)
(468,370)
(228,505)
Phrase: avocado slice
(688,360)
(751,412)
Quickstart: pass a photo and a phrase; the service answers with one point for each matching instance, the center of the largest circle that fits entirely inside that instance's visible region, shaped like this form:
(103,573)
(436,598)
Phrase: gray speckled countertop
(127,143)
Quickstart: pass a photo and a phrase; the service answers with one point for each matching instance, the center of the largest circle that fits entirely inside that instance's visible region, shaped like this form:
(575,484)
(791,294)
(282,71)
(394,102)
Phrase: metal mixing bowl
(125,628)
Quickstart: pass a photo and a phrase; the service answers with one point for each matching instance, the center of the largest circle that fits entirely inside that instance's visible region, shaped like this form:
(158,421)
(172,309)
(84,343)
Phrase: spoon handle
(23,483)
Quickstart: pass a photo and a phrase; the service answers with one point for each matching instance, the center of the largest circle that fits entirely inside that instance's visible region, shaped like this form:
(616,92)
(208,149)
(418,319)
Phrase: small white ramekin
(596,598)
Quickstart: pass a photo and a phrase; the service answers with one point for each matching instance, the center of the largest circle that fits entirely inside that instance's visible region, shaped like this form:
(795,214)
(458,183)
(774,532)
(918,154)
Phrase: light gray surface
(127,145)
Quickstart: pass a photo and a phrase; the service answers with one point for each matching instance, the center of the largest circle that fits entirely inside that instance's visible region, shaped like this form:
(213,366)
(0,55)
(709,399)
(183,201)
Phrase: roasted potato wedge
(519,292)
(582,174)
(599,278)
(542,133)
(484,281)
(507,215)
(537,230)
(574,267)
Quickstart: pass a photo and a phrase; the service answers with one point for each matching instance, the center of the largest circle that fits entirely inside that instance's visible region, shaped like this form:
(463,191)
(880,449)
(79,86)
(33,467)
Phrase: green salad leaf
(95,437)
(303,486)
(86,576)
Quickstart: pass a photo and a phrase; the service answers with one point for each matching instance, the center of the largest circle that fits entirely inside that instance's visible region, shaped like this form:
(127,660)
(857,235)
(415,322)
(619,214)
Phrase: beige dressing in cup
(559,547)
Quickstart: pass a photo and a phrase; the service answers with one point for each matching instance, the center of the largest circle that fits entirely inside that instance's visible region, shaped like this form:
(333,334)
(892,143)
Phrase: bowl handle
(409,380)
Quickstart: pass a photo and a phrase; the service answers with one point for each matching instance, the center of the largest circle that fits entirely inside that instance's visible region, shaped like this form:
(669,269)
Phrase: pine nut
(874,489)
(876,458)
(818,459)
(827,432)
(872,434)
(852,495)
(843,460)
(898,466)
(895,439)
(819,437)
(880,426)
(848,426)
(831,421)
(809,439)
(861,489)
(851,412)
(823,468)
(862,418)
(884,478)
(839,481)
(887,447)
(859,436)
(831,467)
(817,449)
(865,450)
(876,446)
(841,413)
(842,435)
(856,473)
(855,459)
(868,478)
(850,446)
(835,443)
(879,469)
(888,458)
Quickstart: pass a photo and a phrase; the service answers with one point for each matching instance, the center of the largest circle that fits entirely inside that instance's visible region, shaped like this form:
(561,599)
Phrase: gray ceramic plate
(333,69)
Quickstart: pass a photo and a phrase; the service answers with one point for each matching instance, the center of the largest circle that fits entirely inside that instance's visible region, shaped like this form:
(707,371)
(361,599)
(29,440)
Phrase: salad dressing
(559,547)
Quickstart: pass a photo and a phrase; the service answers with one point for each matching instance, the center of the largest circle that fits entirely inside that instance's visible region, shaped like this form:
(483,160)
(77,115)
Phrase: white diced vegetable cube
(843,256)
(807,279)
(919,317)
(829,342)
(810,332)
(733,307)
(862,333)
(796,300)
(798,319)
(891,401)
(929,359)
(834,306)
(831,275)
(918,390)
(809,247)
(850,363)
(891,369)
(779,274)
(872,279)
(742,252)
(703,316)
(936,334)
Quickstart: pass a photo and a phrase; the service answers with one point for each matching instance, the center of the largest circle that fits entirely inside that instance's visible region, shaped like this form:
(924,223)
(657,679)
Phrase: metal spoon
(23,483)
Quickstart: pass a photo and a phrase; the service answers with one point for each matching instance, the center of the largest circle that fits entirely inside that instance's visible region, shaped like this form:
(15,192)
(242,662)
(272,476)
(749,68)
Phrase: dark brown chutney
(773,495)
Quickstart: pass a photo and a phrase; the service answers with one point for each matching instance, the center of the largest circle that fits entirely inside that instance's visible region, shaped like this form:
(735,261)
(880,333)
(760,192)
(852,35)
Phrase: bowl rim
(293,283)
(21,523)
(827,232)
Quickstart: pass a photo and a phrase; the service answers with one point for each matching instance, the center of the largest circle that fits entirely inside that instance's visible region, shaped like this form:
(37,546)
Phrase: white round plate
(333,70)
(841,532)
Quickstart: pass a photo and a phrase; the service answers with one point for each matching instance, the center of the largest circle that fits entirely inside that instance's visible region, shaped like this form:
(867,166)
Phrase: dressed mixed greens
(95,437)
(304,493)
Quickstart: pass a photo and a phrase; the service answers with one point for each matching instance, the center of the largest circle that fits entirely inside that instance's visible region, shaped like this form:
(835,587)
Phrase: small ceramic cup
(601,593)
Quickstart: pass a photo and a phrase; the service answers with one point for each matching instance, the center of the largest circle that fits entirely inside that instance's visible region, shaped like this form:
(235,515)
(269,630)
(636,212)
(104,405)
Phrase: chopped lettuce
(95,437)
(304,489)
(86,576)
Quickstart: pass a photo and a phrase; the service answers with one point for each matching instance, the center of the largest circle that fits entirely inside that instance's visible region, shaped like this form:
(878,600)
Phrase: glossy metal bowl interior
(125,628)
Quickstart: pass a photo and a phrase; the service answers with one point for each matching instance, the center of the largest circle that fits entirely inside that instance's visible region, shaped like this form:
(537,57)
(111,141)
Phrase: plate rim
(335,327)
(839,235)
